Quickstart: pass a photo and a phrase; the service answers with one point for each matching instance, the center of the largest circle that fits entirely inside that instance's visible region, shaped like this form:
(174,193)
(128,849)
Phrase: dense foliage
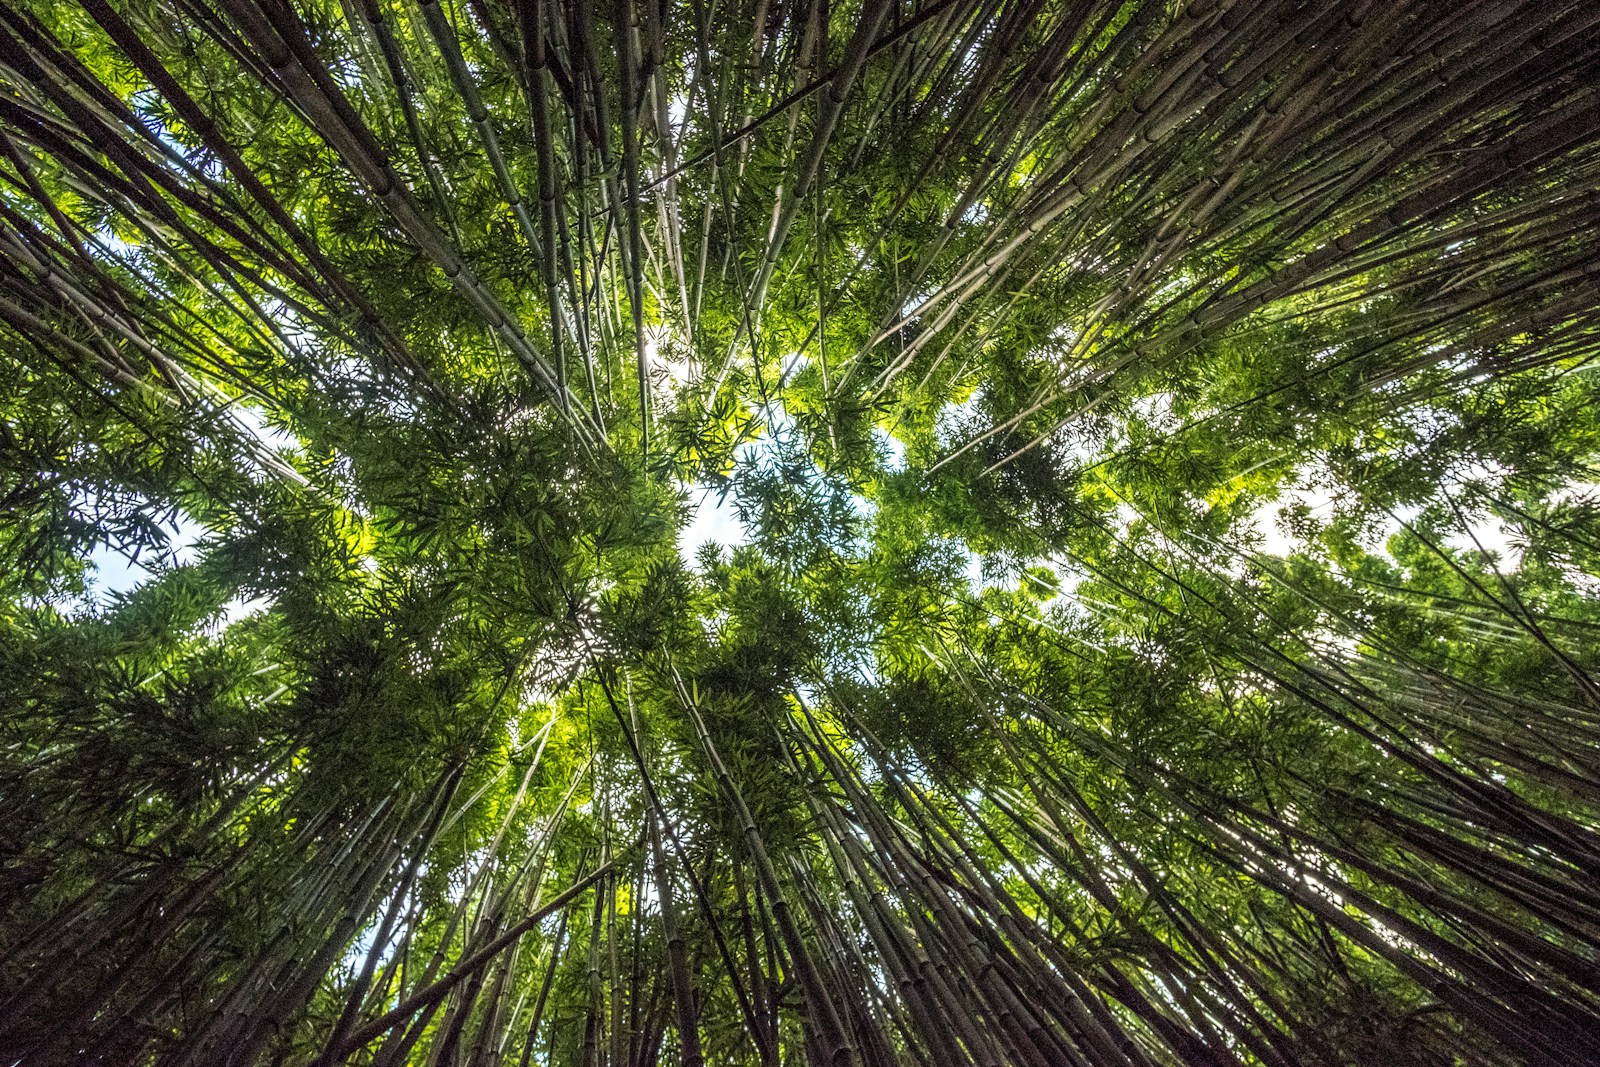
(1152,618)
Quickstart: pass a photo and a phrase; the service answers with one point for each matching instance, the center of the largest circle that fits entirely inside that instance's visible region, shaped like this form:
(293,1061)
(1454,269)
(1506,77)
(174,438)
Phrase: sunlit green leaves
(1154,461)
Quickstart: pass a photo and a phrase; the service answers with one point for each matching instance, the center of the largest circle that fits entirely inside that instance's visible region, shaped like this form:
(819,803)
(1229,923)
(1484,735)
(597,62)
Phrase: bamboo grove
(1156,623)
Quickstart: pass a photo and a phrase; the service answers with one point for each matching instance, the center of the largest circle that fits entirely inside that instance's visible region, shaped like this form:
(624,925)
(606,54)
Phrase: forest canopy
(927,532)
